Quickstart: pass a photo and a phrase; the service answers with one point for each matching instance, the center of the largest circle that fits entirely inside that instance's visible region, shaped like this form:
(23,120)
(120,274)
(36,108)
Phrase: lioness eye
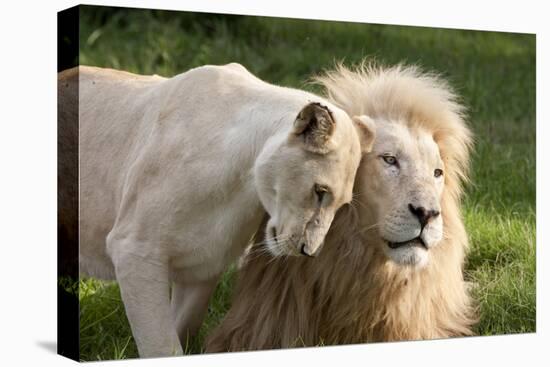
(390,159)
(438,172)
(320,191)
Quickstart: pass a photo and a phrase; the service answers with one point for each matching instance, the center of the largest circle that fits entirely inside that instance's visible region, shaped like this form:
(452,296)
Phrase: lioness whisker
(368,228)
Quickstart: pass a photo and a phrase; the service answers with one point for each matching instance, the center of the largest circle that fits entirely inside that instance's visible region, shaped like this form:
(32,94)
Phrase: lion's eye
(390,159)
(320,191)
(438,172)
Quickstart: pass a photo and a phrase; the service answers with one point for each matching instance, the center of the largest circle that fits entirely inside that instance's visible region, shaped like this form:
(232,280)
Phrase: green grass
(493,72)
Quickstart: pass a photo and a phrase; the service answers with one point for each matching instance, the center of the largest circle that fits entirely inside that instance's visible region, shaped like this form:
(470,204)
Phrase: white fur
(176,175)
(418,119)
(410,181)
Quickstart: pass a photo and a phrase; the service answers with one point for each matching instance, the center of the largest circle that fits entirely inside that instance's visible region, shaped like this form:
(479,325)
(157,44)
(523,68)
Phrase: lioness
(176,175)
(392,267)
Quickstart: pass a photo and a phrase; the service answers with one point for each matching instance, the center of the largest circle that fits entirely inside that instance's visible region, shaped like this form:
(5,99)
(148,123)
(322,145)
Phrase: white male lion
(392,268)
(176,175)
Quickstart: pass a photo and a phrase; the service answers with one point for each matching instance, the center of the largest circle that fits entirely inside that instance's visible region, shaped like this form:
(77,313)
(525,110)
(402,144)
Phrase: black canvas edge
(67,190)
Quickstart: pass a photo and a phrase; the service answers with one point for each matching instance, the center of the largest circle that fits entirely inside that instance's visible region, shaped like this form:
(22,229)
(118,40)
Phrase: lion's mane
(352,293)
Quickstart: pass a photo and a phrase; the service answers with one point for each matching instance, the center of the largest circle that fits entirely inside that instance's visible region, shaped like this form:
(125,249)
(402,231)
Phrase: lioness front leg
(189,306)
(145,289)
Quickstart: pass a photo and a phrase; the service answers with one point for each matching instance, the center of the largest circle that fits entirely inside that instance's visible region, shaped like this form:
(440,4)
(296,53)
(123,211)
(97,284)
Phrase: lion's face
(402,180)
(303,180)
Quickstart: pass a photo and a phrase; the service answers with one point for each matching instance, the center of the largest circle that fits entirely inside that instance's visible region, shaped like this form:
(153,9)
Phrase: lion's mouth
(415,241)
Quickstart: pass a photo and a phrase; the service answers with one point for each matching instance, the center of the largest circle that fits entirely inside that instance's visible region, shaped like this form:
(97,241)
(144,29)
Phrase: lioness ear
(315,125)
(366,128)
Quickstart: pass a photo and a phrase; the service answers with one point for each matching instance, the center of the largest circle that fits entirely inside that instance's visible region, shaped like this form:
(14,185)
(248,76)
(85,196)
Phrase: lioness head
(305,176)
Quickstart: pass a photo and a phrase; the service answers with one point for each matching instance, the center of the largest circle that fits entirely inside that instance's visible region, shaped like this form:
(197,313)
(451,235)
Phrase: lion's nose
(423,214)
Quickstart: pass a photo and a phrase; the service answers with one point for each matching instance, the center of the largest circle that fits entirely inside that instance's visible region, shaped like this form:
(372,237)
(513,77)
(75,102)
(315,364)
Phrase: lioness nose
(422,214)
(303,251)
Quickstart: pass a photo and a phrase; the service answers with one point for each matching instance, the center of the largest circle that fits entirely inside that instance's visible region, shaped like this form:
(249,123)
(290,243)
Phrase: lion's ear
(366,129)
(315,125)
